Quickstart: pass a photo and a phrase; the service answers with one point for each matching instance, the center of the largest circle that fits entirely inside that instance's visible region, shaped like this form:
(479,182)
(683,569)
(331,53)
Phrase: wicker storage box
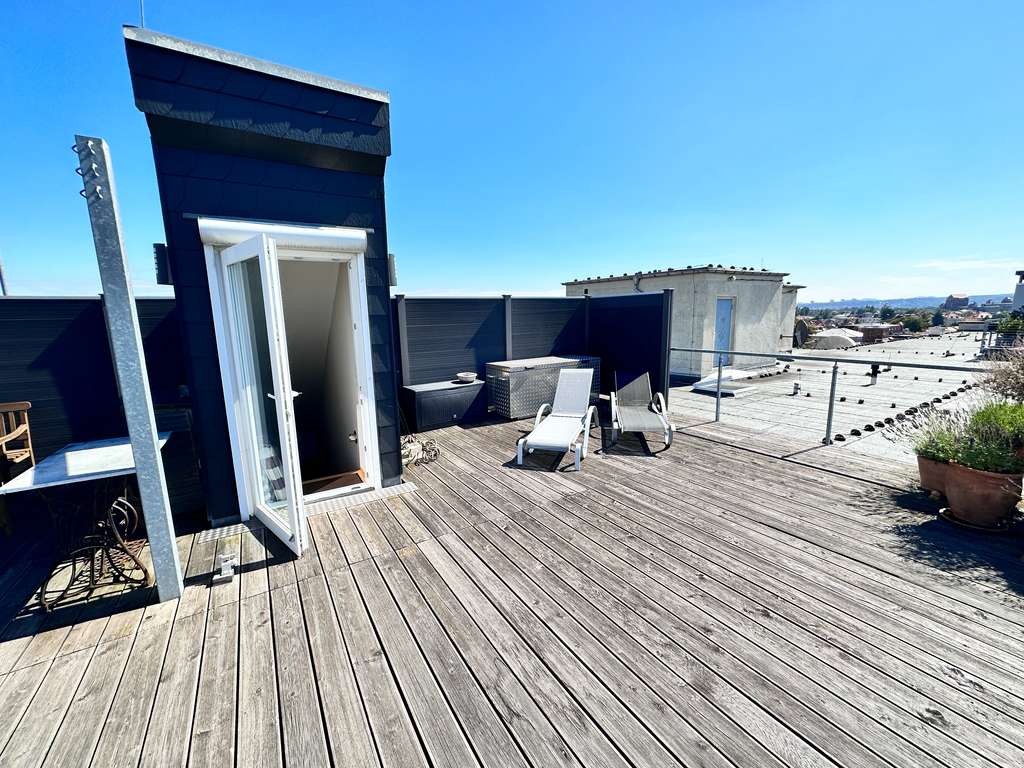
(517,388)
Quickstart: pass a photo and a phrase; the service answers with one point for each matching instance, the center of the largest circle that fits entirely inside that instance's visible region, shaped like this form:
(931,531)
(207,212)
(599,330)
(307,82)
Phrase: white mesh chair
(571,415)
(635,409)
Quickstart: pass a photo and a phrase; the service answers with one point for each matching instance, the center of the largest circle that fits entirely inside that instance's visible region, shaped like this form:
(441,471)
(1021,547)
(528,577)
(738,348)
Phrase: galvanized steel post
(831,404)
(718,392)
(129,360)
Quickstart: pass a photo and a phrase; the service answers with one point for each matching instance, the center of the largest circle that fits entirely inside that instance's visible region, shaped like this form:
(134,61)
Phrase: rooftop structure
(724,307)
(700,269)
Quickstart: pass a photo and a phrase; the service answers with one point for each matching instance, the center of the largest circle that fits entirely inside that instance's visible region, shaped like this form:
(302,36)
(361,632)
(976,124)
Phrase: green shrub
(935,434)
(1011,325)
(986,438)
(913,323)
(995,433)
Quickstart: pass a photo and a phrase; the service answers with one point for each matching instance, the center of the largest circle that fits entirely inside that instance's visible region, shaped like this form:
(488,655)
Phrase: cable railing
(875,365)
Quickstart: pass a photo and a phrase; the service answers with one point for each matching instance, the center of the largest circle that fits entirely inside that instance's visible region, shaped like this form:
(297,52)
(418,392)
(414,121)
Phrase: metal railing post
(718,392)
(831,404)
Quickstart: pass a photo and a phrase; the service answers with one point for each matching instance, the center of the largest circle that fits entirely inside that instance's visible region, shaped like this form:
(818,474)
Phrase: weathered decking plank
(537,737)
(491,741)
(253,563)
(348,536)
(445,743)
(259,730)
(348,730)
(591,743)
(123,737)
(213,728)
(328,548)
(392,727)
(302,728)
(29,743)
(76,740)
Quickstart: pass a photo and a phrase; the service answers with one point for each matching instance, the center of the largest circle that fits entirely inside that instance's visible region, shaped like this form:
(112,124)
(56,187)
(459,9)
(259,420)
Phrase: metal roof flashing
(750,272)
(150,37)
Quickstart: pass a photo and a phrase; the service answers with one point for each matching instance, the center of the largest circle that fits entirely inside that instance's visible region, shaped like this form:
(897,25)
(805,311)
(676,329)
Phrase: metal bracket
(226,565)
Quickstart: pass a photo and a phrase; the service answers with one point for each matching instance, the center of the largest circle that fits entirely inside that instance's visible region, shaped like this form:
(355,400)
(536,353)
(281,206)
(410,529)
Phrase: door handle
(354,437)
(273,397)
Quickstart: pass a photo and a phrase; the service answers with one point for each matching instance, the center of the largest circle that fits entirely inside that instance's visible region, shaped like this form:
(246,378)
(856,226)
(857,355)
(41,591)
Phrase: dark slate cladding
(552,326)
(192,89)
(55,354)
(448,336)
(233,143)
(628,333)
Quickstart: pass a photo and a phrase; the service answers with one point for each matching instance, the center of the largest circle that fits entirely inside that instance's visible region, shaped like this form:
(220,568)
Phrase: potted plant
(973,457)
(935,434)
(983,478)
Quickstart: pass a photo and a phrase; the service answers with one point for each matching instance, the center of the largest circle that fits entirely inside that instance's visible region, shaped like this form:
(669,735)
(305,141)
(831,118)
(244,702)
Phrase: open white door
(256,323)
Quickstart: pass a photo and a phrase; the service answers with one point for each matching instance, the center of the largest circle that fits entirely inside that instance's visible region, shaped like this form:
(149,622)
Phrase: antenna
(142,13)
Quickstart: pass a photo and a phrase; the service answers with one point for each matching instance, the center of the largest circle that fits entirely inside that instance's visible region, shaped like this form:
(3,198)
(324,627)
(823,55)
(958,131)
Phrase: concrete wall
(787,319)
(757,313)
(341,382)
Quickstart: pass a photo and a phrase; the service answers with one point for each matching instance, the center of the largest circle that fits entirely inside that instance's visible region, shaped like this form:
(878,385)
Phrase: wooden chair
(15,437)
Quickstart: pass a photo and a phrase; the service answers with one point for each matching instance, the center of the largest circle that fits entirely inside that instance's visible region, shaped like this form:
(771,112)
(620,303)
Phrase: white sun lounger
(571,415)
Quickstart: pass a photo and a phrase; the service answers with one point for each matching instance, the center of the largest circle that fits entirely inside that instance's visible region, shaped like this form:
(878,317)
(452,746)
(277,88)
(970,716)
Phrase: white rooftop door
(263,383)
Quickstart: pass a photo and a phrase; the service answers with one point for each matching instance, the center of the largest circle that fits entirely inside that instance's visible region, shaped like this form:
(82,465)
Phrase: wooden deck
(705,606)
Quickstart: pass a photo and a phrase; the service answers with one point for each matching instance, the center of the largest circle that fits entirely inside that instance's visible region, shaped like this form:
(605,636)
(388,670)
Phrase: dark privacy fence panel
(631,333)
(54,353)
(447,336)
(439,337)
(554,326)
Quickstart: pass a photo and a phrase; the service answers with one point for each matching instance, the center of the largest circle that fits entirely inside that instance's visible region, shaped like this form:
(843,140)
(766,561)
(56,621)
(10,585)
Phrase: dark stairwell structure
(239,138)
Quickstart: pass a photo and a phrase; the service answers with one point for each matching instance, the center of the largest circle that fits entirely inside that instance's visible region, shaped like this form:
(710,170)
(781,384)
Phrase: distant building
(877,331)
(1018,293)
(1003,305)
(714,307)
(956,301)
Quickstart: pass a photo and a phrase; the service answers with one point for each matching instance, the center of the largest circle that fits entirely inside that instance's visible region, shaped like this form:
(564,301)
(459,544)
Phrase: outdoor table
(79,463)
(105,551)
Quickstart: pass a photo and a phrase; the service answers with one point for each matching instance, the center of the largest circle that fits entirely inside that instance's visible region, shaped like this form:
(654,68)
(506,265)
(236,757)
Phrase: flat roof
(707,269)
(171,43)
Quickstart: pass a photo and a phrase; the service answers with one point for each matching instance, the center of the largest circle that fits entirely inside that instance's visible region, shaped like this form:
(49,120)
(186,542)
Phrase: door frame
(341,244)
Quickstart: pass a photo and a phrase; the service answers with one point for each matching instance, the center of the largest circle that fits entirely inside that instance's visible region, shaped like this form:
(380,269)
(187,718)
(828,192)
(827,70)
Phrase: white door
(723,327)
(263,384)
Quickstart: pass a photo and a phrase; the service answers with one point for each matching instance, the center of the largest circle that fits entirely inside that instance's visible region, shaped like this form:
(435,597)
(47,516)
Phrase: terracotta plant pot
(933,474)
(984,499)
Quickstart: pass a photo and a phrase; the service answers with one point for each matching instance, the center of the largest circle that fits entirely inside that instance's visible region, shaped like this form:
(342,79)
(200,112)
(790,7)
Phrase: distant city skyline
(865,148)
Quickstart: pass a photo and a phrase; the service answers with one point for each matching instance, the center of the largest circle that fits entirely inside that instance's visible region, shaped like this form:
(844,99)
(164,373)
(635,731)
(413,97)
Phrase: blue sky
(869,149)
